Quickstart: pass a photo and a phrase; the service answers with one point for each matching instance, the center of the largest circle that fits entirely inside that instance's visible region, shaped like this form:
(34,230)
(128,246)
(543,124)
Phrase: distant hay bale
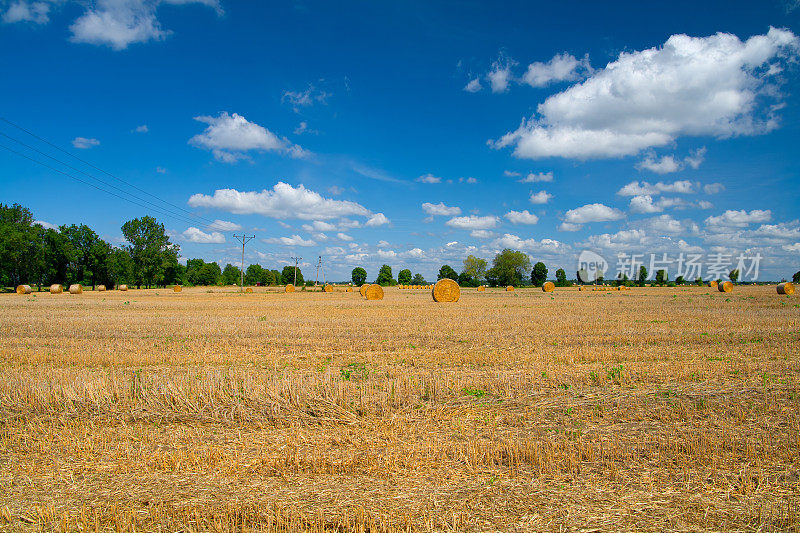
(24,289)
(328,288)
(289,288)
(123,288)
(249,289)
(373,292)
(786,287)
(582,288)
(446,290)
(363,289)
(725,286)
(349,289)
(100,288)
(548,286)
(481,288)
(712,283)
(510,288)
(55,288)
(75,288)
(177,288)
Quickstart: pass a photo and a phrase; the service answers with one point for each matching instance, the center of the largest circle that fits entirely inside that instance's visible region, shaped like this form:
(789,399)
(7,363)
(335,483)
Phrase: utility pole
(320,267)
(244,239)
(296,260)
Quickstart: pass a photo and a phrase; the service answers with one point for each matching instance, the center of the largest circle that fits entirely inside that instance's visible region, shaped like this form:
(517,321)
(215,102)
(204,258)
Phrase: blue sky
(415,133)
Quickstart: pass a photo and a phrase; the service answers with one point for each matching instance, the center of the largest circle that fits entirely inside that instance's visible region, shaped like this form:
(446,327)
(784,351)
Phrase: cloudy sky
(412,133)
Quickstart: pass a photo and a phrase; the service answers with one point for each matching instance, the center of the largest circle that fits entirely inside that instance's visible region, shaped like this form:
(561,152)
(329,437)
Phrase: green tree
(796,277)
(447,272)
(20,245)
(662,277)
(210,274)
(120,266)
(642,275)
(385,276)
(193,267)
(698,281)
(561,278)
(509,267)
(81,238)
(358,276)
(680,280)
(57,256)
(288,276)
(475,268)
(276,276)
(733,275)
(404,277)
(150,249)
(465,280)
(418,279)
(539,274)
(231,275)
(267,278)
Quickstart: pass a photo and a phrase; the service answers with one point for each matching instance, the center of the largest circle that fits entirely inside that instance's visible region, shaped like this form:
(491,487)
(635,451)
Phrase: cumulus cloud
(319,225)
(473,86)
(566,226)
(282,202)
(440,209)
(636,188)
(197,235)
(378,219)
(511,173)
(229,137)
(664,165)
(45,225)
(713,188)
(521,217)
(83,143)
(541,197)
(141,129)
(300,99)
(469,180)
(738,219)
(294,240)
(344,237)
(23,11)
(473,222)
(792,247)
(562,67)
(481,234)
(429,178)
(537,177)
(593,213)
(716,85)
(509,240)
(644,204)
(696,158)
(500,75)
(224,225)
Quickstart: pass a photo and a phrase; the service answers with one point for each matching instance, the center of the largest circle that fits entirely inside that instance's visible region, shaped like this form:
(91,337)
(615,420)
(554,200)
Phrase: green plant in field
(477,393)
(615,374)
(354,371)
(594,377)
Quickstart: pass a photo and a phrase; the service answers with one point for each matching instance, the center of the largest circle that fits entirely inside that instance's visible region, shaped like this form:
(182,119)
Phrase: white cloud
(283,202)
(566,226)
(300,99)
(378,219)
(83,143)
(319,225)
(473,222)
(469,180)
(509,240)
(161,170)
(562,67)
(142,129)
(294,240)
(451,243)
(481,234)
(738,219)
(783,230)
(383,244)
(537,178)
(344,237)
(665,165)
(511,173)
(473,86)
(500,75)
(541,197)
(429,178)
(414,253)
(636,188)
(592,213)
(792,247)
(665,224)
(230,136)
(440,209)
(644,204)
(193,234)
(714,85)
(23,11)
(45,225)
(387,254)
(224,225)
(521,217)
(713,188)
(696,158)
(335,190)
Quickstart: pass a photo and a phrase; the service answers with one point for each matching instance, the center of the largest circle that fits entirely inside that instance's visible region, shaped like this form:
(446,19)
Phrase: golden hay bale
(177,288)
(482,288)
(446,290)
(249,289)
(510,288)
(349,289)
(373,292)
(55,288)
(328,288)
(548,286)
(725,286)
(786,287)
(100,288)
(712,283)
(75,288)
(123,287)
(289,288)
(582,288)
(24,289)
(363,289)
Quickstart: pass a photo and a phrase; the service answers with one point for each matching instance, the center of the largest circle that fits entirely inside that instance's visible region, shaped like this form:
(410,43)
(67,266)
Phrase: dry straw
(712,283)
(328,288)
(482,288)
(55,288)
(373,292)
(446,290)
(24,289)
(289,288)
(548,286)
(725,286)
(510,288)
(363,289)
(123,288)
(349,289)
(75,288)
(100,288)
(177,288)
(786,287)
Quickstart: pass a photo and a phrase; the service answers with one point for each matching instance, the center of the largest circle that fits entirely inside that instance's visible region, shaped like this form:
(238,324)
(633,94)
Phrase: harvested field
(652,409)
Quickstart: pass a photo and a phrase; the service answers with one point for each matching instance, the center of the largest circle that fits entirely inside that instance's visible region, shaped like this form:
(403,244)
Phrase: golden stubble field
(652,409)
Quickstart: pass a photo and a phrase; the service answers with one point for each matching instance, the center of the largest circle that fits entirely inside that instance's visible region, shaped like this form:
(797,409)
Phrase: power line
(244,239)
(296,260)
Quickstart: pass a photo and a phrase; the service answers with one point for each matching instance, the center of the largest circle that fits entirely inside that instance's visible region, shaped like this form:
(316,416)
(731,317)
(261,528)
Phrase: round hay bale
(581,287)
(363,289)
(482,288)
(328,288)
(373,292)
(177,288)
(510,288)
(725,286)
(123,288)
(289,288)
(349,289)
(548,286)
(100,288)
(786,287)
(75,288)
(712,283)
(55,288)
(24,289)
(249,289)
(446,290)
